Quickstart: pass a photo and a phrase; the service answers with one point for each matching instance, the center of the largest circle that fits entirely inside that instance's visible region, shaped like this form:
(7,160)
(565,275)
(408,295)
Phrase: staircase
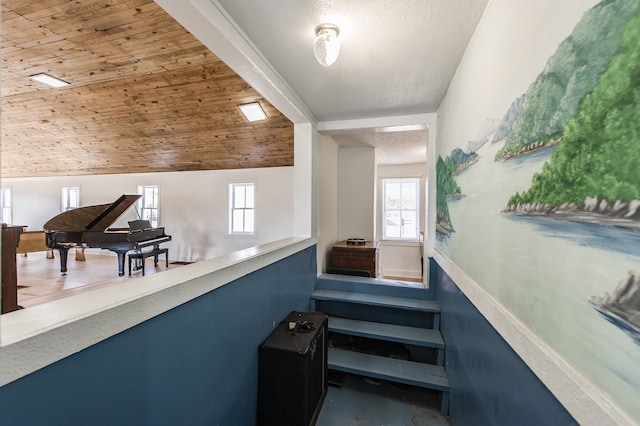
(366,310)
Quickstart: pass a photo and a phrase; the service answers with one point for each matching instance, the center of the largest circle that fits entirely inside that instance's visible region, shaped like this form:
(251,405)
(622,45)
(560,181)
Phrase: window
(401,208)
(5,205)
(148,204)
(70,198)
(242,208)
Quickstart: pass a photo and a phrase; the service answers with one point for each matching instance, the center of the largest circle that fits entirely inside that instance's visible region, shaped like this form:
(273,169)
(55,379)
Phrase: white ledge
(581,399)
(33,338)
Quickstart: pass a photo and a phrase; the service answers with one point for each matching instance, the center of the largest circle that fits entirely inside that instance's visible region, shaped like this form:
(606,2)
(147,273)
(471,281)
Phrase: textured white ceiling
(396,147)
(397,57)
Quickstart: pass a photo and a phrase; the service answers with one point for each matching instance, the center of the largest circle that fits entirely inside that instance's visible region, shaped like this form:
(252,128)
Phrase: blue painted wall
(490,384)
(194,365)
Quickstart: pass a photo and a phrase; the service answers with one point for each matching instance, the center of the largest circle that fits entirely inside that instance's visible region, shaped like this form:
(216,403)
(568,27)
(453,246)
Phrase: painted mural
(542,208)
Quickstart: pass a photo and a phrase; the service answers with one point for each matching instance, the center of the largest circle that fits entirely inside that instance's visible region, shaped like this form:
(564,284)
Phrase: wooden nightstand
(356,257)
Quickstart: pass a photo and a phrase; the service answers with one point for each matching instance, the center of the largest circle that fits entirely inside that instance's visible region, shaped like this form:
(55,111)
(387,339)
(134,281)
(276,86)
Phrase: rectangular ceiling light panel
(48,80)
(253,111)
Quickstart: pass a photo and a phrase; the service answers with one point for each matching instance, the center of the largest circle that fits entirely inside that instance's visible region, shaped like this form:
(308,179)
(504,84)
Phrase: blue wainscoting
(490,384)
(196,364)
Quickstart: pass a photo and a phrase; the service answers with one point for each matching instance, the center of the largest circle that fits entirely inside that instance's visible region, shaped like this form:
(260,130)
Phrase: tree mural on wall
(587,98)
(446,187)
(546,217)
(572,72)
(597,166)
(594,175)
(591,79)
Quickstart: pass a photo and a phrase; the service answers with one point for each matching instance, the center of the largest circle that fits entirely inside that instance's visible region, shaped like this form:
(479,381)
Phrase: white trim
(9,190)
(141,202)
(65,202)
(33,338)
(383,202)
(583,401)
(377,124)
(231,209)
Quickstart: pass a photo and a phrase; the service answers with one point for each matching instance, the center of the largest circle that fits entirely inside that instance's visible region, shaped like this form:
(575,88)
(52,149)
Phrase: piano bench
(142,255)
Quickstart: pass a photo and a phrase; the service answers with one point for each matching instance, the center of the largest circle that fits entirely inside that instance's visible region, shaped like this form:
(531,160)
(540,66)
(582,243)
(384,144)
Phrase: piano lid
(91,218)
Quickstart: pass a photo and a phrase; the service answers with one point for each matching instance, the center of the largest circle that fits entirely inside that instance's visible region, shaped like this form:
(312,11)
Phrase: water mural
(543,209)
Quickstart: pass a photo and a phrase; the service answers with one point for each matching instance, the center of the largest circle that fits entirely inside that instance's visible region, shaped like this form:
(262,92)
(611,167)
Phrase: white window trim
(65,196)
(418,210)
(231,187)
(141,207)
(10,221)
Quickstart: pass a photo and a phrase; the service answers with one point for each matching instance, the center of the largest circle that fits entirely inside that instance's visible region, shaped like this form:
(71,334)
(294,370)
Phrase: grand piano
(89,227)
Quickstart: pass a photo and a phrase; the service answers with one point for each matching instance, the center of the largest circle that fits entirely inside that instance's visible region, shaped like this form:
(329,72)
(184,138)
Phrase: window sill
(402,243)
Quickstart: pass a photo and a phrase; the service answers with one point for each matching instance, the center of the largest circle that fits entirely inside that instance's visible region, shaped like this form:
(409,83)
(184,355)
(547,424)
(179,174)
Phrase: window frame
(155,204)
(243,209)
(416,181)
(3,205)
(65,201)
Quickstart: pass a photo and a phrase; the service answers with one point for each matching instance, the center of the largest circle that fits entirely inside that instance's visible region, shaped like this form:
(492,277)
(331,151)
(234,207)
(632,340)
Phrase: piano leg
(64,251)
(121,255)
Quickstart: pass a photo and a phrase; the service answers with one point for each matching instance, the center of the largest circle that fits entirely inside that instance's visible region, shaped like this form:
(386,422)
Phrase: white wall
(345,197)
(352,174)
(356,192)
(305,141)
(327,199)
(400,258)
(193,205)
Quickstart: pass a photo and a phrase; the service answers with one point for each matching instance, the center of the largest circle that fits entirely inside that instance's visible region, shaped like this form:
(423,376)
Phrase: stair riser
(364,285)
(398,371)
(416,353)
(356,299)
(424,355)
(376,313)
(443,394)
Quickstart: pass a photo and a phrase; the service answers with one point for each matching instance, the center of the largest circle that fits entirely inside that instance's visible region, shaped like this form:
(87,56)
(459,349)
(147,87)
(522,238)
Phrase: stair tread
(423,305)
(391,369)
(391,332)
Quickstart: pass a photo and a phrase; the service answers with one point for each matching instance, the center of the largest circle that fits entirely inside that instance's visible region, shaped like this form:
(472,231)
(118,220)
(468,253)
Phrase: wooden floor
(40,279)
(411,280)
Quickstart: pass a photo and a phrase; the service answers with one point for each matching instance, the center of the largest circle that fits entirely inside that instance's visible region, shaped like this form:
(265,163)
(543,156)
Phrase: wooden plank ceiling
(145,95)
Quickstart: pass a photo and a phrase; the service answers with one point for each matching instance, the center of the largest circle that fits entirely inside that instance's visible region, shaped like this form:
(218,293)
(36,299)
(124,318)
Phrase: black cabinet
(292,371)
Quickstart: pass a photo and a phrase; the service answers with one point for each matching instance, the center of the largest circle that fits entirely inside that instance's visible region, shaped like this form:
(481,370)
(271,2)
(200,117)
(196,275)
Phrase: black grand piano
(89,227)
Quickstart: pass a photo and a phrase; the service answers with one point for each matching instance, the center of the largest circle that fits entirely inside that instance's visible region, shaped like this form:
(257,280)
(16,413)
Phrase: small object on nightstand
(356,241)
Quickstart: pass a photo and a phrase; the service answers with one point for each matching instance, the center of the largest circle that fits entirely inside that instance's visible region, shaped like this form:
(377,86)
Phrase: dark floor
(361,402)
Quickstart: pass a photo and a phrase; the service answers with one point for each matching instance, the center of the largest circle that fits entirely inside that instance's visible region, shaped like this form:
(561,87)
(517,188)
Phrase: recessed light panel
(48,80)
(253,111)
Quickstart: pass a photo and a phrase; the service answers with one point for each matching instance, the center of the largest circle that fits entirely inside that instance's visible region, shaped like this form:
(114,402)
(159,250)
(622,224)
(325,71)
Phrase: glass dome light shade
(326,46)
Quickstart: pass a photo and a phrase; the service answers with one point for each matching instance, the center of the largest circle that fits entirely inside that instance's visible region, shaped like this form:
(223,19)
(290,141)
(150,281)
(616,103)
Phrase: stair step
(394,333)
(421,305)
(381,286)
(391,369)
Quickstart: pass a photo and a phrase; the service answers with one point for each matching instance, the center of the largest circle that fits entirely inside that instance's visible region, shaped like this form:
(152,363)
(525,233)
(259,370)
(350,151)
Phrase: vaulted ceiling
(145,95)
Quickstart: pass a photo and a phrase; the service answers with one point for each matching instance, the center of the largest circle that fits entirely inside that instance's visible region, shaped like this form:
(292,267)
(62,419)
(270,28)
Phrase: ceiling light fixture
(49,80)
(253,111)
(326,46)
